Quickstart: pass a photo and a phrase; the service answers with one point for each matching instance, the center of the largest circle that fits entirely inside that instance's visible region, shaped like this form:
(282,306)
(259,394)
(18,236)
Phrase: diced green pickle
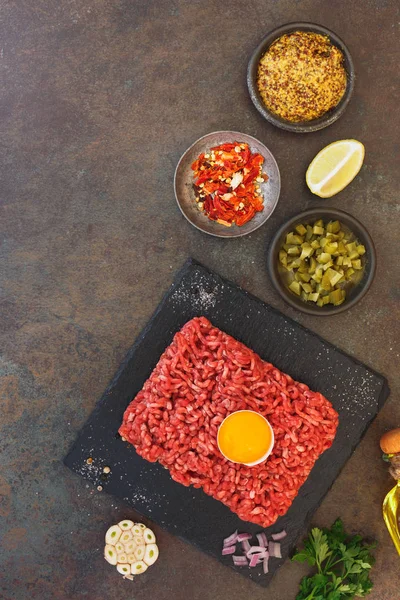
(307,287)
(333,226)
(313,297)
(336,278)
(295,287)
(326,282)
(336,297)
(346,261)
(331,247)
(352,247)
(301,230)
(328,265)
(309,233)
(295,264)
(324,257)
(312,266)
(306,250)
(303,268)
(319,260)
(292,238)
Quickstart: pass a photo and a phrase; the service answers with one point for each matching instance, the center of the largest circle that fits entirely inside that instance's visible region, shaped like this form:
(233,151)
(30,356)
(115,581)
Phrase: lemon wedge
(334,167)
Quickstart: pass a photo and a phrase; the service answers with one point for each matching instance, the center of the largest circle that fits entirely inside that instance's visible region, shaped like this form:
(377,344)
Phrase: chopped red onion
(254,555)
(279,536)
(262,539)
(253,561)
(240,561)
(275,549)
(243,536)
(262,554)
(228,550)
(254,549)
(265,565)
(231,539)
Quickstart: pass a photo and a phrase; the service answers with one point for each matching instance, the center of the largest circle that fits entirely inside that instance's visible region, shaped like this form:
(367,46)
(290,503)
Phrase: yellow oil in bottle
(391,514)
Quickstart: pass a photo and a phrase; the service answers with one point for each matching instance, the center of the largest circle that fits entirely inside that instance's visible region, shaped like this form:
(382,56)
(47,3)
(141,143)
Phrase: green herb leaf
(303,557)
(342,565)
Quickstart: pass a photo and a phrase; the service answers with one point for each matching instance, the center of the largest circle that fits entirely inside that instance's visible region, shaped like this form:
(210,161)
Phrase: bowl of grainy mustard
(301,77)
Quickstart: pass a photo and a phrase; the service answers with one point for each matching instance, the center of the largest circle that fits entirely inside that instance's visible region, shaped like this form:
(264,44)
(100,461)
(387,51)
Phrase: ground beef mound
(203,376)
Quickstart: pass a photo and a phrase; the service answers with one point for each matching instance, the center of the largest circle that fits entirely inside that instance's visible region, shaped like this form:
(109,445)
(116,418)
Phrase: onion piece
(240,561)
(255,549)
(254,560)
(275,549)
(262,539)
(246,546)
(265,564)
(260,555)
(231,539)
(279,536)
(243,536)
(228,550)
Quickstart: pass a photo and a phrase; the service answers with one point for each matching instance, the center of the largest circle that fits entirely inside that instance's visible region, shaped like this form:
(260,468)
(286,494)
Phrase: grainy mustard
(301,76)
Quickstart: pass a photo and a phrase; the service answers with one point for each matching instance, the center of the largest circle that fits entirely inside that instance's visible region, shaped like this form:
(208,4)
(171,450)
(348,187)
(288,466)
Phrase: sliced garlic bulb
(139,540)
(113,534)
(125,537)
(124,569)
(125,525)
(119,547)
(130,546)
(139,552)
(136,530)
(138,567)
(149,536)
(150,554)
(110,555)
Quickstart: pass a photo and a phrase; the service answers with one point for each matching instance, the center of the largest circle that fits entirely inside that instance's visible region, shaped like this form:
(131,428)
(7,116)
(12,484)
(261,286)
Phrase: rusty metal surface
(97,103)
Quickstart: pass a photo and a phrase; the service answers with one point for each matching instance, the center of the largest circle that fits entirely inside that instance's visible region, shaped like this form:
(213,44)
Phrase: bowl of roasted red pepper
(227,184)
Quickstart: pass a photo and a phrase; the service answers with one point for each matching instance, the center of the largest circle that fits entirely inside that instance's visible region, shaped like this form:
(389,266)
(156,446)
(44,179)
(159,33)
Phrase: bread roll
(390,441)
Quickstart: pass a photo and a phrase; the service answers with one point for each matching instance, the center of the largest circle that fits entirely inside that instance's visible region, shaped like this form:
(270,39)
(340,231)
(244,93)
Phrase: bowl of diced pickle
(322,261)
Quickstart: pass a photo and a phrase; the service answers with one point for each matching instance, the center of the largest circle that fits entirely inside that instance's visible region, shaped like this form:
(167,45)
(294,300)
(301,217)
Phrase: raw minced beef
(203,376)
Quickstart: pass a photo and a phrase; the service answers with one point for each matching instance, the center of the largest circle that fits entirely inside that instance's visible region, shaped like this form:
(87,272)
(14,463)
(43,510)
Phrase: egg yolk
(244,437)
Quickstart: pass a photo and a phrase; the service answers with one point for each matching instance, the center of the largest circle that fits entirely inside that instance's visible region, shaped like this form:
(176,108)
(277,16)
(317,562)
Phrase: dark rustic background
(97,102)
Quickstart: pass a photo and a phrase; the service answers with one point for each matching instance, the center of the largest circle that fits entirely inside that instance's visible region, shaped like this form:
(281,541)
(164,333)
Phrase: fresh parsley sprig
(342,565)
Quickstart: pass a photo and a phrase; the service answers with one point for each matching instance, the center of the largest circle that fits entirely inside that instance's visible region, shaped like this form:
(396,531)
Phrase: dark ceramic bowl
(185,196)
(304,126)
(353,293)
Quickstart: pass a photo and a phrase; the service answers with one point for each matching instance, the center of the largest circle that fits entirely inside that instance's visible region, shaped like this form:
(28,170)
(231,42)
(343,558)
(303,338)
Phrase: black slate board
(356,392)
